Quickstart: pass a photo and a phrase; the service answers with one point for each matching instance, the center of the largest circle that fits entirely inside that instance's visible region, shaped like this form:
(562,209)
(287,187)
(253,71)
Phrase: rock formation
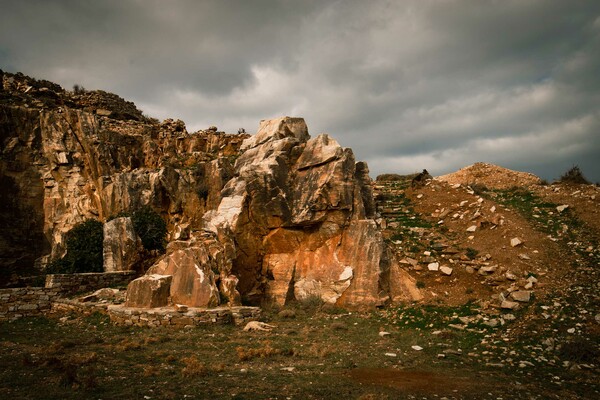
(271,217)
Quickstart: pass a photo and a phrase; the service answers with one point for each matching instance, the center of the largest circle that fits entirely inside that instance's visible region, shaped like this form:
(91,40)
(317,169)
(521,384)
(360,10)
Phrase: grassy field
(311,353)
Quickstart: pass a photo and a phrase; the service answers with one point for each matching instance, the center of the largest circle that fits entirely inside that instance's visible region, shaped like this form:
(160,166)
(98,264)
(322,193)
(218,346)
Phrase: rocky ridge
(272,217)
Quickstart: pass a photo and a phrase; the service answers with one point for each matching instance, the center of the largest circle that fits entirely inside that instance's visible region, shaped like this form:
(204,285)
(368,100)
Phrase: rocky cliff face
(64,160)
(275,216)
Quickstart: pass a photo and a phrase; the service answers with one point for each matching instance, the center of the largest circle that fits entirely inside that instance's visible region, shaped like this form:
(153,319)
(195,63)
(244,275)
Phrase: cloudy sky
(407,84)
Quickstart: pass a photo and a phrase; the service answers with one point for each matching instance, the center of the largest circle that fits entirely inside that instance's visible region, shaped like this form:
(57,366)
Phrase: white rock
(446,270)
(433,266)
(383,333)
(488,270)
(472,228)
(288,369)
(419,195)
(562,207)
(416,347)
(571,330)
(390,354)
(510,276)
(514,242)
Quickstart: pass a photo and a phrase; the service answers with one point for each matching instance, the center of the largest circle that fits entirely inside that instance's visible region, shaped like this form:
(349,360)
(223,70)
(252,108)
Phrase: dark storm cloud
(408,85)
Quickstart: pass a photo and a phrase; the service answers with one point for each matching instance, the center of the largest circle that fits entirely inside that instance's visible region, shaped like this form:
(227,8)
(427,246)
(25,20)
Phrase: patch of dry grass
(247,354)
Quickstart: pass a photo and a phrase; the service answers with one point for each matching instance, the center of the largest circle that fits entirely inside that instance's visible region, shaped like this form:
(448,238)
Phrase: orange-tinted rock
(149,291)
(121,245)
(197,266)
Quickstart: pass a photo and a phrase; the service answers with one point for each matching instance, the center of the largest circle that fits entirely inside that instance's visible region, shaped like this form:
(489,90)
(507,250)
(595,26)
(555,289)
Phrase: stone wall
(168,316)
(16,303)
(78,283)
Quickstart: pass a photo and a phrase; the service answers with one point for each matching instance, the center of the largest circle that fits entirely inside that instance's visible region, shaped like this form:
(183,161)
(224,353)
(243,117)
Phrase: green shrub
(574,175)
(84,250)
(202,191)
(472,253)
(150,227)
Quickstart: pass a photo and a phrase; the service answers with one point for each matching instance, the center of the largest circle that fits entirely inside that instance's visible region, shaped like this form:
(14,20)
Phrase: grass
(310,355)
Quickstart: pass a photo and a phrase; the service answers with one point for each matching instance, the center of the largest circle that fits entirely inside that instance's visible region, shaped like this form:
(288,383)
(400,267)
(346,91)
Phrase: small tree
(84,250)
(574,175)
(78,89)
(150,227)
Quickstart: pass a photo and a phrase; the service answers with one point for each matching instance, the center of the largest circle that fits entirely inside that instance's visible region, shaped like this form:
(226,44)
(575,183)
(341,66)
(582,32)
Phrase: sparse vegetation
(472,253)
(84,250)
(574,176)
(151,228)
(78,89)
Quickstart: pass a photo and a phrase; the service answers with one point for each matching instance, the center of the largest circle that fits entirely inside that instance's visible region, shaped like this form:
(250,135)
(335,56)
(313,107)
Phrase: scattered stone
(453,352)
(514,242)
(384,333)
(523,296)
(433,266)
(391,354)
(562,208)
(446,270)
(524,256)
(288,369)
(492,323)
(258,326)
(487,270)
(416,347)
(510,276)
(571,330)
(472,228)
(509,305)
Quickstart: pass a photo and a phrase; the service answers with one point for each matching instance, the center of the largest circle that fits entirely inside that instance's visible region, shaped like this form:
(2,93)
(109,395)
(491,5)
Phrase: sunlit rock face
(299,212)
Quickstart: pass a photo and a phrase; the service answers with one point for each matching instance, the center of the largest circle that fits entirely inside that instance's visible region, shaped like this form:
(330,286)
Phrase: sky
(406,84)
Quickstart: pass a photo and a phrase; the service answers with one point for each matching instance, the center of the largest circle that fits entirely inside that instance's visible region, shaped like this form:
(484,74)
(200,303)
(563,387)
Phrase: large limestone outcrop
(299,213)
(291,216)
(67,157)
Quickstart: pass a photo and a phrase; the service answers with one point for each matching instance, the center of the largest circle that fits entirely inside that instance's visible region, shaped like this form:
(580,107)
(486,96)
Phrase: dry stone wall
(168,316)
(17,303)
(78,283)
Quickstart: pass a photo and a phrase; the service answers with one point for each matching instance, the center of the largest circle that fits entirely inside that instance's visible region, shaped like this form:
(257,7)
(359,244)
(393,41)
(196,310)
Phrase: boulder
(196,266)
(149,291)
(121,245)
